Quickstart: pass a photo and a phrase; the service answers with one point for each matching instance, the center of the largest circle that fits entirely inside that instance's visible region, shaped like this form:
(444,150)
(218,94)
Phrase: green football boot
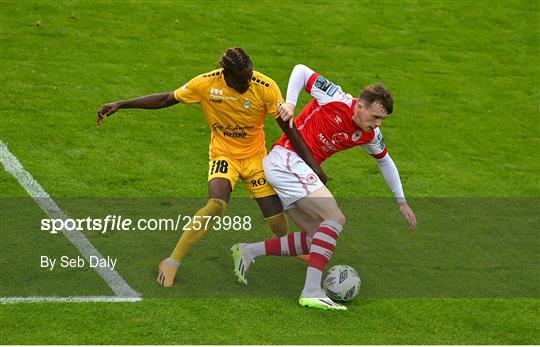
(321,303)
(241,262)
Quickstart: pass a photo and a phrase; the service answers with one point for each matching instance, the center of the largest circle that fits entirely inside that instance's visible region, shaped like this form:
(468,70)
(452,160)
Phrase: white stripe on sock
(284,245)
(319,249)
(325,238)
(330,224)
(298,243)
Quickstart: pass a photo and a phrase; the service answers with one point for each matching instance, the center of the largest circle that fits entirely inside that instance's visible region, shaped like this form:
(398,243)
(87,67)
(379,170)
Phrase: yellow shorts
(250,170)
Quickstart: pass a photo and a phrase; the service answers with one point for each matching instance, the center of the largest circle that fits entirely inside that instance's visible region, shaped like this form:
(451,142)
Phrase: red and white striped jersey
(327,126)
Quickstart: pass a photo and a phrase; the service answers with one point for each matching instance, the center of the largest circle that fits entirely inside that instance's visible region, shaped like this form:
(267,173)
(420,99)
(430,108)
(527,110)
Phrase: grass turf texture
(262,321)
(465,77)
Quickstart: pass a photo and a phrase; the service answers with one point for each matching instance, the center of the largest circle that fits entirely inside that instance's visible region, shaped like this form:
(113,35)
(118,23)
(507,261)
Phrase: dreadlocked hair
(235,59)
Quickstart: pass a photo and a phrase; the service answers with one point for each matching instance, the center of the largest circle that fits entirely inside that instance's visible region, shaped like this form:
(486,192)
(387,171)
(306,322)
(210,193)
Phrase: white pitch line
(41,299)
(47,204)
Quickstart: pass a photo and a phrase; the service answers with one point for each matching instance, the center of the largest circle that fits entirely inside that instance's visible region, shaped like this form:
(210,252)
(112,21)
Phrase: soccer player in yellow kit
(235,101)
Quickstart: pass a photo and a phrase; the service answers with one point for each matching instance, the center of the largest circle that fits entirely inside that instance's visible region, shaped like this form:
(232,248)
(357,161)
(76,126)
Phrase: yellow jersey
(236,120)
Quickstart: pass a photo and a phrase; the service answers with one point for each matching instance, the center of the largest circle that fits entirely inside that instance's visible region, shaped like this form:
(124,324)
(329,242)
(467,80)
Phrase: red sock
(292,244)
(323,244)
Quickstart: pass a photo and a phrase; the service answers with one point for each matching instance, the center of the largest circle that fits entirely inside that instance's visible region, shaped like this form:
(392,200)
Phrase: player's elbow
(168,100)
(384,160)
(302,70)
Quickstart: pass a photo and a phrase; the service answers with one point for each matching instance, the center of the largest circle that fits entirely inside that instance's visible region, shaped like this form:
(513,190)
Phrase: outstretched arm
(154,101)
(391,176)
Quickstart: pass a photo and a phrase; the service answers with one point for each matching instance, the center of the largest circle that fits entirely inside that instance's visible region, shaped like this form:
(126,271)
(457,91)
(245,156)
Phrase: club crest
(312,178)
(356,135)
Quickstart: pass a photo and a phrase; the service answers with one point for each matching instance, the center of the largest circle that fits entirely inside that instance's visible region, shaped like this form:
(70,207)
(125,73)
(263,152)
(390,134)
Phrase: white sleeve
(376,147)
(391,176)
(298,80)
(319,87)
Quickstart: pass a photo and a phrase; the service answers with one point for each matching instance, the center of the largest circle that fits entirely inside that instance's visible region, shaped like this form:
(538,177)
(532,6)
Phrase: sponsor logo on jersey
(338,119)
(234,135)
(234,127)
(328,146)
(357,135)
(258,182)
(339,137)
(235,131)
(217,94)
(214,91)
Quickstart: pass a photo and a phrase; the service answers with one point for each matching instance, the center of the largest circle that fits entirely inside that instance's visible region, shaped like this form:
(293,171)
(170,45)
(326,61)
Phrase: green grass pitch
(464,135)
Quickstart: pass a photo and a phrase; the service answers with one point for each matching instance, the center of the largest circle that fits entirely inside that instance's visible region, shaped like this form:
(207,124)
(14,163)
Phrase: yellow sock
(278,224)
(303,257)
(214,207)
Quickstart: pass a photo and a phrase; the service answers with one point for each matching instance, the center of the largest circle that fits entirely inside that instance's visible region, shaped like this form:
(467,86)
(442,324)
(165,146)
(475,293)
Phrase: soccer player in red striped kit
(332,122)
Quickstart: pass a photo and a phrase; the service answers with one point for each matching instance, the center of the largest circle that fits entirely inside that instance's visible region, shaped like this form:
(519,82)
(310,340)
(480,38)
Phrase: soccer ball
(342,283)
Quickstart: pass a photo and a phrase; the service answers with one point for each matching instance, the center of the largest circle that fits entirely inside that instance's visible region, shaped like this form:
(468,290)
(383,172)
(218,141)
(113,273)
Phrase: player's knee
(278,224)
(334,215)
(339,218)
(214,207)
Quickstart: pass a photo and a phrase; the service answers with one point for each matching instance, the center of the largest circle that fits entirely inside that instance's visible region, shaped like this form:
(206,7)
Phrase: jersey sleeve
(325,91)
(190,92)
(376,147)
(391,176)
(319,87)
(273,99)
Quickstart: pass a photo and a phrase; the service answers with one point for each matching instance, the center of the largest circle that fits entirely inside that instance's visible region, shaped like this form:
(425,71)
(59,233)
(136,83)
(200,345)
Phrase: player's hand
(408,214)
(286,112)
(106,111)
